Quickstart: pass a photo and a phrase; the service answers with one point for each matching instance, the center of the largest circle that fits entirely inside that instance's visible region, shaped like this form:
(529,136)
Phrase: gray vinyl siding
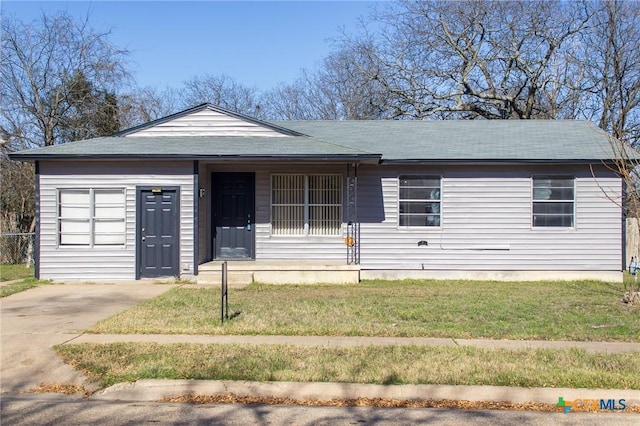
(486,222)
(273,247)
(206,123)
(108,262)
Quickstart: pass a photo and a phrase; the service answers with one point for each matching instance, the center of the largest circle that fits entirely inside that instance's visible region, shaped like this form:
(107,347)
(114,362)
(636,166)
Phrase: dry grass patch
(586,311)
(59,388)
(450,404)
(572,368)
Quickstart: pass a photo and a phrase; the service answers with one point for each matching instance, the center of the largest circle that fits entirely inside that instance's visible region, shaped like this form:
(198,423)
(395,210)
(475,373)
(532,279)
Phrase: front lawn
(584,311)
(566,368)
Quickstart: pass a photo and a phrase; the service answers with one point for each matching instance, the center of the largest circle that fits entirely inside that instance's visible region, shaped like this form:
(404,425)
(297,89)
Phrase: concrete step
(244,272)
(235,279)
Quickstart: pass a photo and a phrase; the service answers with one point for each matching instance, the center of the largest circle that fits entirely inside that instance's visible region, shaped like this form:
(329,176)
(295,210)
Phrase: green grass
(17,287)
(15,272)
(570,368)
(584,311)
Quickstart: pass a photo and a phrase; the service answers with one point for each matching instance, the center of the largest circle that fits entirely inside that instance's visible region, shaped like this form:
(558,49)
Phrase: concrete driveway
(35,320)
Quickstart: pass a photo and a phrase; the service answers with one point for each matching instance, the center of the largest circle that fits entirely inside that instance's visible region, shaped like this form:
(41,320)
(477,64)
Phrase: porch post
(352,239)
(36,237)
(196,214)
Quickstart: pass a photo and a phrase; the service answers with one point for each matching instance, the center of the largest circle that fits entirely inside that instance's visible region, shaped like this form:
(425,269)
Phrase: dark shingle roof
(195,147)
(553,140)
(390,141)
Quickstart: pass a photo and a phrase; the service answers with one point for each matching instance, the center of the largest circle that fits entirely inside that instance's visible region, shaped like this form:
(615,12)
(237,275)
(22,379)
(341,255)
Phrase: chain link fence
(17,248)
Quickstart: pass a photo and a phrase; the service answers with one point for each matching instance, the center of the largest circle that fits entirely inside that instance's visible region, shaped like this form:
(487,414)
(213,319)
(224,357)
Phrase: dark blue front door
(233,219)
(158,239)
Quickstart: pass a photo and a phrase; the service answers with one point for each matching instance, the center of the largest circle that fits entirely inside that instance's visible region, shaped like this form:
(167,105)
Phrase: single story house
(305,201)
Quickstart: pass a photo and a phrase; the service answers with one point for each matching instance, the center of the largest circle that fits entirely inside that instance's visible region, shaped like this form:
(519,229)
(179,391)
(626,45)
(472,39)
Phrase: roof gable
(208,120)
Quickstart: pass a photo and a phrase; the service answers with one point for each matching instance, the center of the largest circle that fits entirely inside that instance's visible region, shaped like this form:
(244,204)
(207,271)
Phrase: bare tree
(612,52)
(221,90)
(472,59)
(337,90)
(39,67)
(614,71)
(142,105)
(146,104)
(58,79)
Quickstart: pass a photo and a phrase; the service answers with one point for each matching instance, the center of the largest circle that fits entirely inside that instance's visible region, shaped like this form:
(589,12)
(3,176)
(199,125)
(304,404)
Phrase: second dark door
(233,218)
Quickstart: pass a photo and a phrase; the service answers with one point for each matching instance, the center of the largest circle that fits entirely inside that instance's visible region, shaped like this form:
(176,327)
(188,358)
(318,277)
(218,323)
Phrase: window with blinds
(419,200)
(91,217)
(553,201)
(306,204)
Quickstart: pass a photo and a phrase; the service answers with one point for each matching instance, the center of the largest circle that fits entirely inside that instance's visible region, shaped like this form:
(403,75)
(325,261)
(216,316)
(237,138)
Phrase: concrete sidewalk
(155,390)
(342,341)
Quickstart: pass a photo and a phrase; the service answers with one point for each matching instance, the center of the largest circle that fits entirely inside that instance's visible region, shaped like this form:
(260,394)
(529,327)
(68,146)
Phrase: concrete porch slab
(279,272)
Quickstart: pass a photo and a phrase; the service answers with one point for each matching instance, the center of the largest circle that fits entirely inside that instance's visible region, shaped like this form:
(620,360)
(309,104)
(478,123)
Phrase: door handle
(144,238)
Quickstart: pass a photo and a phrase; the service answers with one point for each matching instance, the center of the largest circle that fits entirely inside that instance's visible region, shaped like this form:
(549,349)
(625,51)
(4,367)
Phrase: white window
(306,204)
(91,217)
(553,201)
(419,198)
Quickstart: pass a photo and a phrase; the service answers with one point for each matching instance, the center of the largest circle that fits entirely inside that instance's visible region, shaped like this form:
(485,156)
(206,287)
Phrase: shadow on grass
(599,288)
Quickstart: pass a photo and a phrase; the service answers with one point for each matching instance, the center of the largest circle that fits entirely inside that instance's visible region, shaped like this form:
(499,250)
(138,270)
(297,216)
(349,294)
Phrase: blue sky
(258,43)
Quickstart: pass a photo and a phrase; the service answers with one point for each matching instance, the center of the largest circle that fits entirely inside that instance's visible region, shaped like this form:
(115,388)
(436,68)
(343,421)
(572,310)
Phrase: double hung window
(91,217)
(553,201)
(420,200)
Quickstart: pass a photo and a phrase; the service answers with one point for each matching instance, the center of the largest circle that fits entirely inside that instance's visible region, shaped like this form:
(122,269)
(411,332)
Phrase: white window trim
(408,228)
(306,233)
(532,201)
(91,220)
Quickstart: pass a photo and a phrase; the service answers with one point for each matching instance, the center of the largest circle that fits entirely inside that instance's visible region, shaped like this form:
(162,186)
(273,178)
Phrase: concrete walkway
(35,320)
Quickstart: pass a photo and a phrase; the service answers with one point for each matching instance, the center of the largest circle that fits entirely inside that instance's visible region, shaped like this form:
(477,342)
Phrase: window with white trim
(553,201)
(306,204)
(91,217)
(419,200)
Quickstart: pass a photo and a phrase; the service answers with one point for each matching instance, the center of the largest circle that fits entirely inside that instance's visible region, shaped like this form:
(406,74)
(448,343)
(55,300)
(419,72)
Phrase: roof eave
(497,161)
(360,158)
